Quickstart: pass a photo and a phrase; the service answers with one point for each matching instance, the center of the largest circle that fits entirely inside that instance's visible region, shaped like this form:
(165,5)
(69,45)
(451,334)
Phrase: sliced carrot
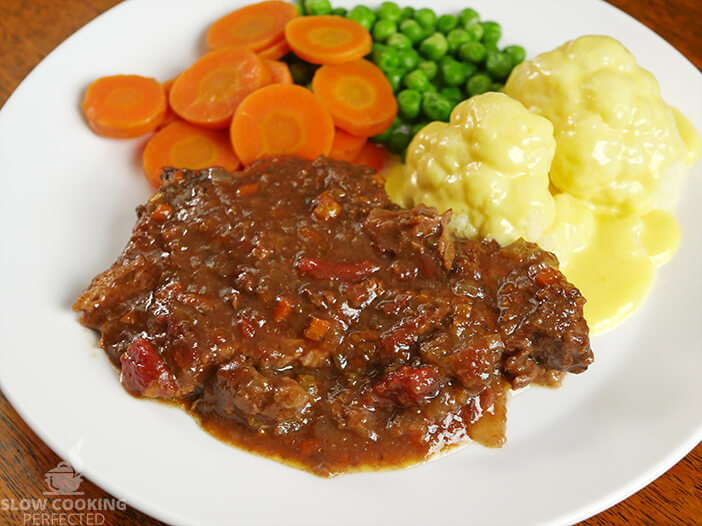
(280,72)
(346,147)
(358,96)
(209,91)
(253,27)
(373,155)
(182,145)
(328,39)
(124,106)
(276,51)
(281,119)
(170,114)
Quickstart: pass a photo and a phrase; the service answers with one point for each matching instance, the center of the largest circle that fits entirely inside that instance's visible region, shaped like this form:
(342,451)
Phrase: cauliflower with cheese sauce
(618,144)
(489,164)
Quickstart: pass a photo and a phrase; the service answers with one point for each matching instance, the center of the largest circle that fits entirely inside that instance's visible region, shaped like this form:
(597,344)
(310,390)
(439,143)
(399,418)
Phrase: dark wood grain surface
(30,29)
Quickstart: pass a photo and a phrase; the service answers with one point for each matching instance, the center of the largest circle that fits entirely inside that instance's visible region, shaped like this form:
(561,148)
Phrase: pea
(417,80)
(492,31)
(455,38)
(388,59)
(452,93)
(363,15)
(496,86)
(382,29)
(407,13)
(428,67)
(399,41)
(467,16)
(516,53)
(471,69)
(417,128)
(398,141)
(409,103)
(446,23)
(383,137)
(339,11)
(434,47)
(453,73)
(302,73)
(376,48)
(412,30)
(431,88)
(498,65)
(300,8)
(389,11)
(436,107)
(426,18)
(472,51)
(409,58)
(478,83)
(394,77)
(318,7)
(475,31)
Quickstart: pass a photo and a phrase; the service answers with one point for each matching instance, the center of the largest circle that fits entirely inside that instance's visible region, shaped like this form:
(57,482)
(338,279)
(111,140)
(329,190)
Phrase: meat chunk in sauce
(295,311)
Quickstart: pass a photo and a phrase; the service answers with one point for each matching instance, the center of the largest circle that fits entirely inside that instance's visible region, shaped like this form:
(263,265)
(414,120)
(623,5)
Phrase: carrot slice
(276,51)
(281,119)
(358,96)
(280,72)
(328,39)
(374,155)
(182,145)
(253,27)
(209,91)
(170,114)
(124,106)
(346,147)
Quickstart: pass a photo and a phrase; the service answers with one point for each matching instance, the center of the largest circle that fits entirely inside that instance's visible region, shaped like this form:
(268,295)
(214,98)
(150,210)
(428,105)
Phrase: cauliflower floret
(489,164)
(618,145)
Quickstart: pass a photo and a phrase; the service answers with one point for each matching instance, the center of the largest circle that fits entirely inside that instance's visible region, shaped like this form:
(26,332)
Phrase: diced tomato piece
(408,385)
(144,372)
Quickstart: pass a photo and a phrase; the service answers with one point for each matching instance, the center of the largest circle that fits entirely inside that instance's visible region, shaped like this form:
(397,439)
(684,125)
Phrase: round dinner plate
(66,211)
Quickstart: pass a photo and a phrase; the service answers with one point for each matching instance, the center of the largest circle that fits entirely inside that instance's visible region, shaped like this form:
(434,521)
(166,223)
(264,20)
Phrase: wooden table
(29,30)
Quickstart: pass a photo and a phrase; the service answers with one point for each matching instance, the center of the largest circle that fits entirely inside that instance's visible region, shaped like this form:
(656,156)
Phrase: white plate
(66,211)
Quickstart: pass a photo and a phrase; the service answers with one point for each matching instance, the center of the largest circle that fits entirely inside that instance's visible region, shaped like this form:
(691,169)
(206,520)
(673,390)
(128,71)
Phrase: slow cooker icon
(63,480)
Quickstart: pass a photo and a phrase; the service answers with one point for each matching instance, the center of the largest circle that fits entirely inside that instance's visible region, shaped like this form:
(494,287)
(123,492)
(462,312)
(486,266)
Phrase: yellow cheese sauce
(583,157)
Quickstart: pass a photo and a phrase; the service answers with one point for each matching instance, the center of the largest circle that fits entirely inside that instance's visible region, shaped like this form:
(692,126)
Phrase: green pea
(399,41)
(516,53)
(300,6)
(409,102)
(389,11)
(426,18)
(496,86)
(446,23)
(417,128)
(398,141)
(431,88)
(318,7)
(382,30)
(395,77)
(407,13)
(475,31)
(492,31)
(409,58)
(453,73)
(452,93)
(412,30)
(388,59)
(339,11)
(434,47)
(478,83)
(376,48)
(363,15)
(436,107)
(467,16)
(383,137)
(428,67)
(417,80)
(472,51)
(498,65)
(455,38)
(471,69)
